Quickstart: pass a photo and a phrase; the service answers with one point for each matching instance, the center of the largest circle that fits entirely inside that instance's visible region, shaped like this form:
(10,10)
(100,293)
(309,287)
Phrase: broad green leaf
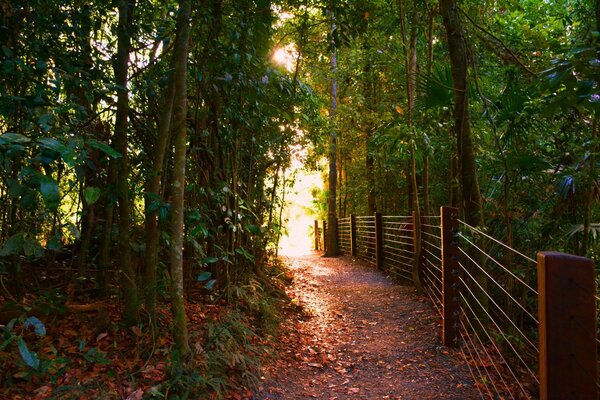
(46,122)
(106,149)
(91,194)
(204,276)
(50,192)
(210,284)
(28,356)
(13,245)
(38,325)
(210,260)
(31,248)
(10,137)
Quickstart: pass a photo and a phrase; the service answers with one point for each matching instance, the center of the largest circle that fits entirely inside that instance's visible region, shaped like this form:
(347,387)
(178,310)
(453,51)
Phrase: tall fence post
(324,236)
(378,241)
(418,241)
(450,285)
(317,239)
(567,315)
(352,235)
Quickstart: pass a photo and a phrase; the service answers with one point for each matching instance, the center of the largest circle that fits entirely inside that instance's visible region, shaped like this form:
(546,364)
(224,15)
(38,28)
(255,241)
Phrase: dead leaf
(137,331)
(315,365)
(101,336)
(137,395)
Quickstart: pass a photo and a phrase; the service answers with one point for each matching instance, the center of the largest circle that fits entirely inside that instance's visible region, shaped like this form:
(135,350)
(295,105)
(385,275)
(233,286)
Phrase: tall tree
(120,141)
(180,330)
(457,47)
(332,244)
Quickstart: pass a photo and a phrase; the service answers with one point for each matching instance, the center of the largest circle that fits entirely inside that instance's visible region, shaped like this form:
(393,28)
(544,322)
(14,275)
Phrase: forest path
(361,337)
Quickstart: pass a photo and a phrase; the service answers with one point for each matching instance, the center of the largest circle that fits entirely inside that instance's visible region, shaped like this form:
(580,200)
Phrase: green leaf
(50,192)
(91,194)
(210,260)
(28,356)
(10,137)
(103,147)
(210,284)
(13,245)
(245,253)
(46,122)
(38,325)
(204,276)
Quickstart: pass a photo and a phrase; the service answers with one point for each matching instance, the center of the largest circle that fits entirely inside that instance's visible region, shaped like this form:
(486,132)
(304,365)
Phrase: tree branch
(487,32)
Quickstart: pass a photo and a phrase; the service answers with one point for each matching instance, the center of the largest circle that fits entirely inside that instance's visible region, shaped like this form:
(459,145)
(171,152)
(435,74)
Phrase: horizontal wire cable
(499,285)
(497,241)
(431,244)
(469,366)
(500,331)
(489,357)
(497,307)
(497,263)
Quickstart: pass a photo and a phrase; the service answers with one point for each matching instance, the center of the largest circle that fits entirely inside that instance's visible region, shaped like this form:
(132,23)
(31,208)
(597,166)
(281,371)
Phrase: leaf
(204,276)
(210,284)
(10,137)
(50,192)
(13,245)
(28,357)
(210,260)
(137,331)
(103,147)
(399,110)
(38,325)
(46,122)
(91,194)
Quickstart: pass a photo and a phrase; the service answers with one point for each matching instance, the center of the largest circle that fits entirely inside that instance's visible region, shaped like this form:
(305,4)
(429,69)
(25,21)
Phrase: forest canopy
(146,148)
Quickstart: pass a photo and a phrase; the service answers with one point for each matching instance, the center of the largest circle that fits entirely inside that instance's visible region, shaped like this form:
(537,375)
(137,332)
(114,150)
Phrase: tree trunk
(332,245)
(121,68)
(411,93)
(471,197)
(180,332)
(154,188)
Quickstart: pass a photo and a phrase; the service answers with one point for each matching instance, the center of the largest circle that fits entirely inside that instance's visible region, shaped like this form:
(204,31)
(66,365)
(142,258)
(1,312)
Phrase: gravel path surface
(360,336)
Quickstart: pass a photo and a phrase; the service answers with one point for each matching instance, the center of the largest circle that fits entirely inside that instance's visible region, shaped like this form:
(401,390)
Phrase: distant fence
(526,327)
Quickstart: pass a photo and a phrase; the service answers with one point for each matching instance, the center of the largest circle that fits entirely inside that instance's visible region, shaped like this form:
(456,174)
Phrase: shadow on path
(361,337)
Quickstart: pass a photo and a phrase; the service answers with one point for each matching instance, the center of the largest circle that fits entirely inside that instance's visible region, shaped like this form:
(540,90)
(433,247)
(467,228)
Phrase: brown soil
(361,337)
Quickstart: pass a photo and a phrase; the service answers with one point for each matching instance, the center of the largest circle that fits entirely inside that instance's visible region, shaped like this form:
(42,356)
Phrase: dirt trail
(363,338)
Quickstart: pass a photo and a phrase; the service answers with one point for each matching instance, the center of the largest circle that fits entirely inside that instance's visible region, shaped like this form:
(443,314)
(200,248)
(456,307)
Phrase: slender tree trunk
(332,245)
(180,331)
(591,188)
(471,197)
(154,188)
(411,93)
(128,278)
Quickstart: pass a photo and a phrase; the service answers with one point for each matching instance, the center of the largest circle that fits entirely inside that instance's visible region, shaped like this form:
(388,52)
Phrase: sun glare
(286,56)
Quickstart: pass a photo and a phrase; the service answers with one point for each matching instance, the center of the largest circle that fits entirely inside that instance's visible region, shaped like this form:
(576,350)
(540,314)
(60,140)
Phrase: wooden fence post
(450,282)
(379,241)
(567,315)
(352,235)
(418,241)
(324,236)
(316,235)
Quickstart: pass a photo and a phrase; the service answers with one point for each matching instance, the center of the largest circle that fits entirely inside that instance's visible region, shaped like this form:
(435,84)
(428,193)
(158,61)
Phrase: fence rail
(526,327)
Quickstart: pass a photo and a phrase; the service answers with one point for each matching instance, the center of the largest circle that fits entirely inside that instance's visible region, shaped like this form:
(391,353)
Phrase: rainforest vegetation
(146,148)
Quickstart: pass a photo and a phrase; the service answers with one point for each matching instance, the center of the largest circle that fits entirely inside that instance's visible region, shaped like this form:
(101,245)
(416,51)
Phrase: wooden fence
(526,327)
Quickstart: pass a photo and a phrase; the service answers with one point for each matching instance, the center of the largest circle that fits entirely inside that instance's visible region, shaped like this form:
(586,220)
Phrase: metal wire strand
(469,366)
(497,263)
(500,331)
(499,285)
(481,363)
(497,241)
